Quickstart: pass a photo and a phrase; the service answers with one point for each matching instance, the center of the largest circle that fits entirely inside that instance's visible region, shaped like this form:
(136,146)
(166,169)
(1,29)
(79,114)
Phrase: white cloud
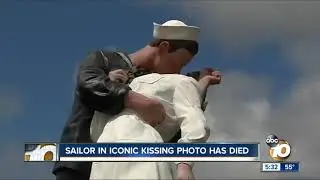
(241,108)
(243,113)
(236,105)
(246,23)
(303,55)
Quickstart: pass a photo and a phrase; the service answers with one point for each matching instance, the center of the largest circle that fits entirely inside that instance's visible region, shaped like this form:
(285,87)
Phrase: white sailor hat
(175,30)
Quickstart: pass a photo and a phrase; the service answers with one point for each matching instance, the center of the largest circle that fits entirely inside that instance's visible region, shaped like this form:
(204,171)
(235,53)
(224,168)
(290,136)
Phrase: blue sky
(41,44)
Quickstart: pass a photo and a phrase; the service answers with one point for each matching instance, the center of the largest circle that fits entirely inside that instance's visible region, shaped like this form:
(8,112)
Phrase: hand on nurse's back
(151,110)
(118,75)
(153,113)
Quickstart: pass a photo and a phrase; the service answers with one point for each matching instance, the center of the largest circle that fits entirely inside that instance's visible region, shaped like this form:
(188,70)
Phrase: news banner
(279,151)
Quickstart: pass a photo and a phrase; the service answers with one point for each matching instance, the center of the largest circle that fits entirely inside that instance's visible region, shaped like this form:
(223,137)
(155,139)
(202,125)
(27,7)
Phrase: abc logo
(279,150)
(272,140)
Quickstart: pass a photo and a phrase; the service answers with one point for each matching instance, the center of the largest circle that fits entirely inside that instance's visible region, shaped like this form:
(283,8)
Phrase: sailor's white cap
(175,30)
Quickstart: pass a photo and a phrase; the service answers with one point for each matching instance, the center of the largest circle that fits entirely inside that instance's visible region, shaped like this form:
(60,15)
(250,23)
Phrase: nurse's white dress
(180,96)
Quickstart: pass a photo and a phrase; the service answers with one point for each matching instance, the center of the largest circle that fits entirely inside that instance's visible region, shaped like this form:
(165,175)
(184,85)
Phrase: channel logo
(279,149)
(40,152)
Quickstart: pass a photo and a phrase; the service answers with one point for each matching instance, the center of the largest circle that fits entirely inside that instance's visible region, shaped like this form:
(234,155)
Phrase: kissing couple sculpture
(183,100)
(140,98)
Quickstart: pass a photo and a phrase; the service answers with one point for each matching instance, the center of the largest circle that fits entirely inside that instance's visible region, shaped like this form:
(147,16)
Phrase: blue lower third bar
(289,167)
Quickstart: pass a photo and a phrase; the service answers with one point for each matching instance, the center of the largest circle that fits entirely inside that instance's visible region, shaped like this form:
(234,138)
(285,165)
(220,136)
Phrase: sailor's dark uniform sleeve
(96,90)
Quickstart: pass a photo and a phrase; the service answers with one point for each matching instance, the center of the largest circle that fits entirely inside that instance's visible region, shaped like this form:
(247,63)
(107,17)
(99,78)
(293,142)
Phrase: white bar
(271,167)
(163,159)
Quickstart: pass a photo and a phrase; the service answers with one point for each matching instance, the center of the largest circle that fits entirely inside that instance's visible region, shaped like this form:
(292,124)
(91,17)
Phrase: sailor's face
(179,58)
(173,61)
